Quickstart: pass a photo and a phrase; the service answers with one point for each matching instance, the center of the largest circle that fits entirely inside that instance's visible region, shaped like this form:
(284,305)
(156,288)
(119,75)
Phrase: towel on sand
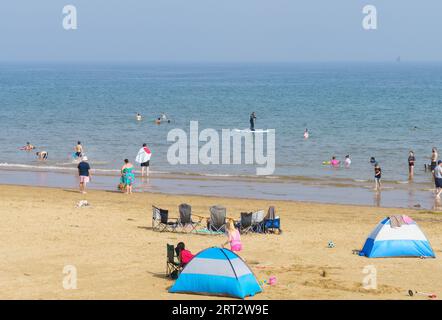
(397,221)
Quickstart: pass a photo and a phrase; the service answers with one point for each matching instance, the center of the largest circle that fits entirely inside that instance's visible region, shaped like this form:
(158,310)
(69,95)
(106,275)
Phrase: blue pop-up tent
(217,271)
(387,240)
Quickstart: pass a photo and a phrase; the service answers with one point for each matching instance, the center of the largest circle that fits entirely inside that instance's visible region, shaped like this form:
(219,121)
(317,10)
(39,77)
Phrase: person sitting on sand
(42,155)
(377,176)
(347,161)
(127,176)
(233,236)
(335,162)
(84,171)
(183,255)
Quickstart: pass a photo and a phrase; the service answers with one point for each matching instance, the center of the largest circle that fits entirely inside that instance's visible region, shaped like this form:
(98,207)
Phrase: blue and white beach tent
(404,241)
(216,271)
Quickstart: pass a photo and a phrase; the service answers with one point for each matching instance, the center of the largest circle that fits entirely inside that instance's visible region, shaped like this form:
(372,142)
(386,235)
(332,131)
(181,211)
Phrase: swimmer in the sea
(306,133)
(347,161)
(138,116)
(372,160)
(28,147)
(78,150)
(42,155)
(335,162)
(158,121)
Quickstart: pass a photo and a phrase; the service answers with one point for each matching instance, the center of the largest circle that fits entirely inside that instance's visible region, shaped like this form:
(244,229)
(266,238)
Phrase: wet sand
(118,256)
(398,195)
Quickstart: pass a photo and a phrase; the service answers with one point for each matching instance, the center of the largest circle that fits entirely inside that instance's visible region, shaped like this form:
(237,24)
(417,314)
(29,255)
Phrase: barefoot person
(127,176)
(233,236)
(411,160)
(438,178)
(84,171)
(377,176)
(143,158)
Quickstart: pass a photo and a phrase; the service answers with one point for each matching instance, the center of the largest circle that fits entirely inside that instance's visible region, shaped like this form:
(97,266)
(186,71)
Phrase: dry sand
(118,256)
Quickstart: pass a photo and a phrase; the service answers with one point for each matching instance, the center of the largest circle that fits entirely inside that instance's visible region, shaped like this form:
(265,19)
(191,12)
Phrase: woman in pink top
(234,238)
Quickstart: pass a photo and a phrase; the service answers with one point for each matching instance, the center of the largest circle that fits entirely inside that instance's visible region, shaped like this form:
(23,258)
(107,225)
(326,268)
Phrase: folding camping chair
(185,222)
(258,221)
(161,221)
(272,222)
(217,221)
(245,225)
(173,264)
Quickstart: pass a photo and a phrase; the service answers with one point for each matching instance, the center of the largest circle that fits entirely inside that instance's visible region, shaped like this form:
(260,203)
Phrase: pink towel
(407,219)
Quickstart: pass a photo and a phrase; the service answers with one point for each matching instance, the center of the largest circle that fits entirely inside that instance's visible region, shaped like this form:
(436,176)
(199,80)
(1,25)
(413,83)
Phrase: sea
(361,109)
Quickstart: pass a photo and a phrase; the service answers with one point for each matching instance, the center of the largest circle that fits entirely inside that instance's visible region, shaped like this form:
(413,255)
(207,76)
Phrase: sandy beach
(118,256)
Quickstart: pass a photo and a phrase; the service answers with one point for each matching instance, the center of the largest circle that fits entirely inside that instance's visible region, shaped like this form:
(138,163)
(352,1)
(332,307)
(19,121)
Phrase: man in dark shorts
(143,158)
(84,171)
(438,178)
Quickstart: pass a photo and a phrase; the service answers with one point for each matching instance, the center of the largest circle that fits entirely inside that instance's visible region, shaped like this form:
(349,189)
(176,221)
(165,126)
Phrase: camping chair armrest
(200,218)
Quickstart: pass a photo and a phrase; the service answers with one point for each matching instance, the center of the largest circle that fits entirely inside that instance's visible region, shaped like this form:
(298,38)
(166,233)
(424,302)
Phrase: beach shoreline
(118,256)
(332,191)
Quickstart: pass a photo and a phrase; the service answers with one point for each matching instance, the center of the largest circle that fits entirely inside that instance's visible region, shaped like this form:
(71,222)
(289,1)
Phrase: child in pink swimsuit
(234,238)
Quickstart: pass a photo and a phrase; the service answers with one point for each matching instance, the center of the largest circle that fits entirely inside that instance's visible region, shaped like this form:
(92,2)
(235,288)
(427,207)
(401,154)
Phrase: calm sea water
(364,110)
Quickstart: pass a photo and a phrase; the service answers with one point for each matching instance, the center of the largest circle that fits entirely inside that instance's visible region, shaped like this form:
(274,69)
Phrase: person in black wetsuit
(252,121)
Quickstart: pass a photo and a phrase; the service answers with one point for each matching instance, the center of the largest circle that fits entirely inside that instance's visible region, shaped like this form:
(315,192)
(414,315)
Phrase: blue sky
(220,31)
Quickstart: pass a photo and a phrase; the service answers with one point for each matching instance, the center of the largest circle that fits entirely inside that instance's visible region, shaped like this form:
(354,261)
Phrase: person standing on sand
(252,121)
(143,158)
(377,176)
(234,238)
(411,160)
(84,171)
(438,178)
(127,176)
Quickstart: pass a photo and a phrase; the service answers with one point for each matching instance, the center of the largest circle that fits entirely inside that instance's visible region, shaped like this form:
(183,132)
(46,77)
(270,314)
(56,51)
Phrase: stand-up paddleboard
(251,131)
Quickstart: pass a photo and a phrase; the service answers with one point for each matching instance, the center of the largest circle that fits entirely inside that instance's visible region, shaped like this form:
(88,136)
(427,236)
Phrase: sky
(220,31)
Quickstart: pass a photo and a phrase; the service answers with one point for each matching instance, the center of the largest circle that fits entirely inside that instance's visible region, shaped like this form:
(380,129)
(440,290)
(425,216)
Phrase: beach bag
(174,275)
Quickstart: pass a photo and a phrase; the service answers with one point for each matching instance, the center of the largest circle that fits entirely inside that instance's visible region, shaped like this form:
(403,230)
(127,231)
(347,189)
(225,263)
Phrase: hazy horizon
(210,31)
